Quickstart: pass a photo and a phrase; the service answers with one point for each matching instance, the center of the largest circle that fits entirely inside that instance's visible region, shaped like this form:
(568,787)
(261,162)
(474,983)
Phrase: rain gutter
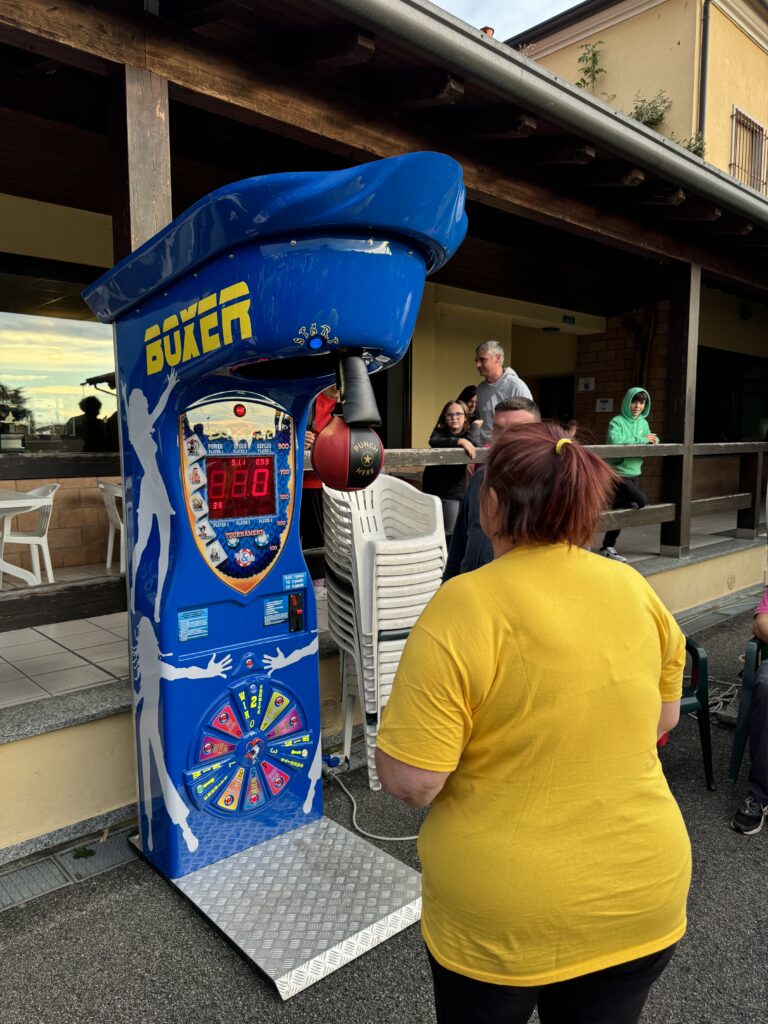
(465,51)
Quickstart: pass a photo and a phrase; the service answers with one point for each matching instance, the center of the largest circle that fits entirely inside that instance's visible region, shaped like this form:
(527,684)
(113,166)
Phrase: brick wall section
(613,359)
(77,534)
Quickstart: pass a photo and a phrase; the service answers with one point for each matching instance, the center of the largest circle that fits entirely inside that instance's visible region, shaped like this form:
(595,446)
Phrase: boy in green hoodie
(630,427)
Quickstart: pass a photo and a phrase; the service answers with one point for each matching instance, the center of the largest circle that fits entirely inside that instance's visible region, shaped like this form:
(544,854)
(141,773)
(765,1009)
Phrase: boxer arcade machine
(227,323)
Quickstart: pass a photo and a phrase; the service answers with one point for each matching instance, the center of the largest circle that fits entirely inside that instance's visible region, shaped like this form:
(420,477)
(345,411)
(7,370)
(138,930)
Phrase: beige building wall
(737,75)
(55,232)
(722,323)
(644,47)
(67,776)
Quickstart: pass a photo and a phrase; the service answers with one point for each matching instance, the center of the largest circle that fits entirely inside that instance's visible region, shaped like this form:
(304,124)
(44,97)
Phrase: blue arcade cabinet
(227,324)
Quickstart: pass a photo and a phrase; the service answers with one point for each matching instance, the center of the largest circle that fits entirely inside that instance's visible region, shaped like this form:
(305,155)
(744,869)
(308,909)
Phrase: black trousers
(628,495)
(758,737)
(613,996)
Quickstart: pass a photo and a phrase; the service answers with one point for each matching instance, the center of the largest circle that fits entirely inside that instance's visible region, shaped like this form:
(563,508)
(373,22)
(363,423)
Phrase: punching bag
(348,454)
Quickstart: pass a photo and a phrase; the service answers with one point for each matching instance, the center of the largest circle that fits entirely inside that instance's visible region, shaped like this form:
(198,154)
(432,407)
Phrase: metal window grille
(748,150)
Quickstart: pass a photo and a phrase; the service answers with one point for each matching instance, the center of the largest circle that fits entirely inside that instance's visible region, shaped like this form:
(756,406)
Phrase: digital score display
(241,486)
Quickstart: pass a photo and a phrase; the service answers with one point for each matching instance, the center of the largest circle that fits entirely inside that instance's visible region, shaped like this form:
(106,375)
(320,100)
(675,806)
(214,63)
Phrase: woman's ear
(490,512)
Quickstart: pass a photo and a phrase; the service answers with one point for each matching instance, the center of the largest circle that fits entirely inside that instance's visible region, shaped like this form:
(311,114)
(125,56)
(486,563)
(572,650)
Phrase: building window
(45,366)
(747,150)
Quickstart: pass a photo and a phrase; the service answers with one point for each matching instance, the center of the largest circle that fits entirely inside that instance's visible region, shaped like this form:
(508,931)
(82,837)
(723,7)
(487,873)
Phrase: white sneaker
(612,553)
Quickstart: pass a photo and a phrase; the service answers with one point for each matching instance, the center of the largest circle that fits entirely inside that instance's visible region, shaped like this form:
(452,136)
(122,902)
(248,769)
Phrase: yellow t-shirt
(555,848)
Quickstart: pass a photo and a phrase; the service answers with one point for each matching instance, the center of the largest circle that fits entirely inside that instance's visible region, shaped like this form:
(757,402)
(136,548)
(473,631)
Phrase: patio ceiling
(261,85)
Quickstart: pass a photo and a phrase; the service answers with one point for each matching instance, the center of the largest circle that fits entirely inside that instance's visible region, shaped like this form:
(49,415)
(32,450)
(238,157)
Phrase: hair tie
(560,443)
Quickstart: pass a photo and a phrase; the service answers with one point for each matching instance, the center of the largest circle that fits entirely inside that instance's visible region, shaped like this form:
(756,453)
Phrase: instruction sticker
(294,580)
(193,623)
(275,610)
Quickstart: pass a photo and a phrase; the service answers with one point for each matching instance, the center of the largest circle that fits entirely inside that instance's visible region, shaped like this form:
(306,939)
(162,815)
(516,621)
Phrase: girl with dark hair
(450,482)
(527,706)
(469,397)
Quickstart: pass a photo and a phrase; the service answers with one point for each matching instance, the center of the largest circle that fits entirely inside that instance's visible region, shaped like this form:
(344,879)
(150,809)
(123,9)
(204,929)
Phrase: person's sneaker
(750,817)
(612,553)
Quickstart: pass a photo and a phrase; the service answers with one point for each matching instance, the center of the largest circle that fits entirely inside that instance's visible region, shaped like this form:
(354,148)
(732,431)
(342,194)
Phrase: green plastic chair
(696,700)
(754,654)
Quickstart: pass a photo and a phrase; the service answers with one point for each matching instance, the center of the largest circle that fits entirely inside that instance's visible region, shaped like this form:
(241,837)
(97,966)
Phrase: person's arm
(440,439)
(672,669)
(427,720)
(416,787)
(469,448)
(760,627)
(669,717)
(616,433)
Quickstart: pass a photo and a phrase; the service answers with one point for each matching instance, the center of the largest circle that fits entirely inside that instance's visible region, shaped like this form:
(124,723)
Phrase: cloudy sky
(508,17)
(49,358)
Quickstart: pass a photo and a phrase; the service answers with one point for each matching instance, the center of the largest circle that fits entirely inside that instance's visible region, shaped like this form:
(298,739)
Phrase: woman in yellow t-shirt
(527,706)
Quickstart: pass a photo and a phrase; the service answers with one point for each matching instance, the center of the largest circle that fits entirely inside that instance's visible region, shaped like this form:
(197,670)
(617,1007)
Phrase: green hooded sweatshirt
(625,429)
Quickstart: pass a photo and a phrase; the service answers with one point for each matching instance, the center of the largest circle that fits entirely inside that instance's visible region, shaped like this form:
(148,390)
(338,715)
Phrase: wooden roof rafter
(352,110)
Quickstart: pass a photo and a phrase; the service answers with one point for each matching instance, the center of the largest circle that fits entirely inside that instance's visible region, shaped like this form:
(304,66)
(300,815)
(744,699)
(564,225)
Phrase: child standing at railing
(629,427)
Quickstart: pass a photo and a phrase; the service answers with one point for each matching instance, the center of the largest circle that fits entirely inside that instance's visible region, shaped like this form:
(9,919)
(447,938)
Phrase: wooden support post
(677,478)
(750,479)
(141,159)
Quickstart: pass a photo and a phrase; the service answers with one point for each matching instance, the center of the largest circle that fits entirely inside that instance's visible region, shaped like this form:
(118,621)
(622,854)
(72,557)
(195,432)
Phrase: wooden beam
(433,89)
(677,473)
(620,519)
(58,602)
(142,159)
(750,480)
(567,156)
(58,465)
(725,503)
(203,74)
(500,124)
(729,227)
(323,51)
(616,176)
(195,12)
(665,196)
(697,211)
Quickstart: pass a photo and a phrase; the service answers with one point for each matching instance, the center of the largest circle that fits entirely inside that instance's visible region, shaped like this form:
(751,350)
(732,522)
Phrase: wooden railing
(677,506)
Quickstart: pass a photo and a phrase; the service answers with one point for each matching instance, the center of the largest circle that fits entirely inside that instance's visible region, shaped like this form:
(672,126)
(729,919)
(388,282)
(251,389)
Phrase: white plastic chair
(37,539)
(385,555)
(110,493)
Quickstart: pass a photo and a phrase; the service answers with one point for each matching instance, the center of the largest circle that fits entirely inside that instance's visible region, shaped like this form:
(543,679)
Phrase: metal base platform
(306,903)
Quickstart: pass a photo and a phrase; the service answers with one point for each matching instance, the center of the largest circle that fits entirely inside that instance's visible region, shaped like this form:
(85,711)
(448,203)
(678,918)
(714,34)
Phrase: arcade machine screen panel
(238,468)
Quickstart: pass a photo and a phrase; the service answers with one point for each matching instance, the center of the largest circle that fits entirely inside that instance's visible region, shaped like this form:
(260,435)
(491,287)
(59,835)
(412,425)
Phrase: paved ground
(125,947)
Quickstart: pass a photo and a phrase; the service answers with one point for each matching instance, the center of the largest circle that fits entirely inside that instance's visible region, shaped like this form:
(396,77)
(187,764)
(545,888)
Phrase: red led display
(241,486)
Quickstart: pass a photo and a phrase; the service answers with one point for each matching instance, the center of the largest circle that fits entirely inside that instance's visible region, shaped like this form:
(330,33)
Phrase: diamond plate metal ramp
(304,904)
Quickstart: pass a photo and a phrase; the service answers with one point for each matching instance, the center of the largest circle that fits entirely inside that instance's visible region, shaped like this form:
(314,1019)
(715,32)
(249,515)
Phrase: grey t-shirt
(509,385)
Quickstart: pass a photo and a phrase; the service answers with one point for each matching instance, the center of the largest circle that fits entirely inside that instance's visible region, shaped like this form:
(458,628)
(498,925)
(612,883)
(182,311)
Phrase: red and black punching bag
(347,458)
(348,454)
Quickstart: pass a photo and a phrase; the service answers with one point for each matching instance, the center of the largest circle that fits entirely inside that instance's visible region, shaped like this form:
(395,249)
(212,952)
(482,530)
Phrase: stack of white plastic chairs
(385,556)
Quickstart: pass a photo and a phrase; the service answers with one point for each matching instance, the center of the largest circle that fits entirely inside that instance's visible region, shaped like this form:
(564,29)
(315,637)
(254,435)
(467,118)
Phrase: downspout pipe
(465,51)
(703,68)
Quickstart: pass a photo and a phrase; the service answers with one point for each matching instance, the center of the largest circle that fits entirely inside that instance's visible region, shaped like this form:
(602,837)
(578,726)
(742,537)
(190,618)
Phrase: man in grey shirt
(499,384)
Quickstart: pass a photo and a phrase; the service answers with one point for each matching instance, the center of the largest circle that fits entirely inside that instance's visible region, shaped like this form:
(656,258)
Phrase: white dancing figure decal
(273,662)
(148,670)
(153,502)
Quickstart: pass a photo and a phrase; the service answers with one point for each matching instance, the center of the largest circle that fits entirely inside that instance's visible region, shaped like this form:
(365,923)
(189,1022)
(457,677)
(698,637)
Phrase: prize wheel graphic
(249,748)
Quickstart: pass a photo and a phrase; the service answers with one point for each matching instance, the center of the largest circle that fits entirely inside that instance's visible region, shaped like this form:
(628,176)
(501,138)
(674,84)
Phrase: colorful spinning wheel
(248,748)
